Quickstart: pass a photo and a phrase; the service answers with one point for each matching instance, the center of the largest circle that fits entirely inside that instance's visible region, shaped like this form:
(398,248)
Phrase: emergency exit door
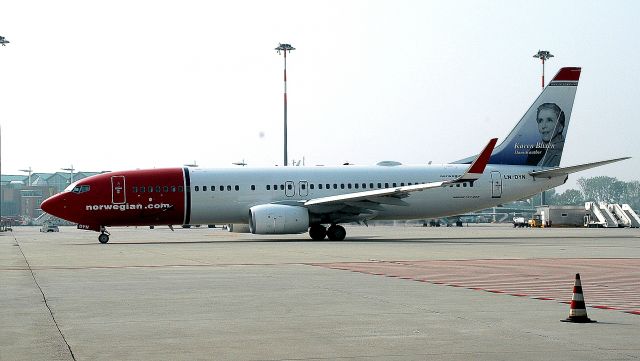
(496,185)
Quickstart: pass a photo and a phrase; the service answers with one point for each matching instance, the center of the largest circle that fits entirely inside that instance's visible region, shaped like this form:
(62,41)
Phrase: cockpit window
(81,189)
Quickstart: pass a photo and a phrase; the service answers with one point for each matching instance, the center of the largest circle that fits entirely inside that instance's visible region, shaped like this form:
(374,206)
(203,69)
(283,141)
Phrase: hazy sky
(115,85)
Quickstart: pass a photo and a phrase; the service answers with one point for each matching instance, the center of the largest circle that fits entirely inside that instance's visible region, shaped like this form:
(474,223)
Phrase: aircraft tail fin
(538,138)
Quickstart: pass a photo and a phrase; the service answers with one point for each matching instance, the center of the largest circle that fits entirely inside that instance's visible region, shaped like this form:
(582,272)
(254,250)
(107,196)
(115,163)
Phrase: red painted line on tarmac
(609,283)
(605,307)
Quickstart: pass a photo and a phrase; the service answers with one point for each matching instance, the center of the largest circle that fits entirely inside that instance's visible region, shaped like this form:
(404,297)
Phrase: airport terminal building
(21,195)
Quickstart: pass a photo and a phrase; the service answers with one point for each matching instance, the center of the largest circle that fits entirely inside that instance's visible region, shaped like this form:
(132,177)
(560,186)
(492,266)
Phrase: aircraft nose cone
(54,205)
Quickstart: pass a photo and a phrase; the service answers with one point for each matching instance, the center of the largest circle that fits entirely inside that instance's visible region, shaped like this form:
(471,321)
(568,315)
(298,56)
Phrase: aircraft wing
(563,171)
(392,196)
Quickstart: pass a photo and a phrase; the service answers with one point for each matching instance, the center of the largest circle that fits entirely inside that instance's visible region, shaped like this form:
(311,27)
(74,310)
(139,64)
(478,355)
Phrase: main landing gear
(104,235)
(335,232)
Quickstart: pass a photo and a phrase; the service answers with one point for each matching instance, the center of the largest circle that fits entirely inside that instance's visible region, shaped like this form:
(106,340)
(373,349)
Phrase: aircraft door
(496,185)
(303,188)
(289,188)
(118,192)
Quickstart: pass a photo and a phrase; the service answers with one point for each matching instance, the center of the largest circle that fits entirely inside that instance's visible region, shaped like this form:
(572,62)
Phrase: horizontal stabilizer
(563,171)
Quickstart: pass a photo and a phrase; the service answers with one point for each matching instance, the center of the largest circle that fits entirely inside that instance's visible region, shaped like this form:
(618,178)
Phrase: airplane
(3,41)
(293,200)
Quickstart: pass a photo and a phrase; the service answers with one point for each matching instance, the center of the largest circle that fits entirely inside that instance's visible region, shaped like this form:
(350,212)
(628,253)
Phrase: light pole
(284,48)
(28,171)
(70,170)
(543,55)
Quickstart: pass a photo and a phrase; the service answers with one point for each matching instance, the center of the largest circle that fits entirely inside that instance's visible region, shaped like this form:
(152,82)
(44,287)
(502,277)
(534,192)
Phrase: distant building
(18,199)
(562,216)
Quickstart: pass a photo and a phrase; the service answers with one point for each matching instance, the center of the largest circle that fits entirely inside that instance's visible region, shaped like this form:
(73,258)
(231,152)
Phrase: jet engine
(278,219)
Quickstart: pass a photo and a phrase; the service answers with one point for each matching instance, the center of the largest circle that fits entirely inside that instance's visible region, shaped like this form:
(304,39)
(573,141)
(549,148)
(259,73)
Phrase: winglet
(476,168)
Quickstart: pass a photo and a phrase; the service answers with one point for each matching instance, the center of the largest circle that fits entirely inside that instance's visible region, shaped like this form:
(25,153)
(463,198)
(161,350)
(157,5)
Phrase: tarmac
(483,292)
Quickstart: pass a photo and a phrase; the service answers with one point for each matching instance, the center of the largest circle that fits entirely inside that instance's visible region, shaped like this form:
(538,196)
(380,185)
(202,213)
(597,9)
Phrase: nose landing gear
(104,235)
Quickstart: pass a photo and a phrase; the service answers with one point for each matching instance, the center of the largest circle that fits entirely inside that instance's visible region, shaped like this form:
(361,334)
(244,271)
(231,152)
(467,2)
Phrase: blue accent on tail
(538,138)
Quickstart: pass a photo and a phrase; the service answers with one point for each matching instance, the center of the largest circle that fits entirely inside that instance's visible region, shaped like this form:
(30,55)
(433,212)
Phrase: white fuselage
(294,185)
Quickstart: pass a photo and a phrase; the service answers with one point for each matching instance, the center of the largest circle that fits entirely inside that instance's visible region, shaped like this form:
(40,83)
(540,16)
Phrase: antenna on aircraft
(242,164)
(284,48)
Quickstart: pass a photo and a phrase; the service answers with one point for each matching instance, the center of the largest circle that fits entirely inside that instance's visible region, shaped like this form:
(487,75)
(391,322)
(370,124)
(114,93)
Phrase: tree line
(596,189)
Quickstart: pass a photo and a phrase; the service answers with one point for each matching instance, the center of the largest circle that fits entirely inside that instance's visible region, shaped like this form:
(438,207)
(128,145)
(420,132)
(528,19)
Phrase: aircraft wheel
(103,238)
(317,232)
(336,233)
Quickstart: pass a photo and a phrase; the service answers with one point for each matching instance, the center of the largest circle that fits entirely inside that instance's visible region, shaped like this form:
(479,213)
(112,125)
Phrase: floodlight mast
(284,48)
(543,55)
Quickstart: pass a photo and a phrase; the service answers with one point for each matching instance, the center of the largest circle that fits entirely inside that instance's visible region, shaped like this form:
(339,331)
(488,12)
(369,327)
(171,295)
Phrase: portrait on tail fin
(551,123)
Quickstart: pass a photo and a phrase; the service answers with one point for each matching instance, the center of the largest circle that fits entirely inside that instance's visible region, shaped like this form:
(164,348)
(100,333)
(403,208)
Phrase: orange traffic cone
(578,310)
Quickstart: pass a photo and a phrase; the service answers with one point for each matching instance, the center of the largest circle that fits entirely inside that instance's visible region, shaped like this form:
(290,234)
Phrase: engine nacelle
(278,219)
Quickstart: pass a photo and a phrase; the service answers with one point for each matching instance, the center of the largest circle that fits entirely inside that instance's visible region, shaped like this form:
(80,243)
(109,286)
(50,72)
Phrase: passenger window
(402,184)
(180,189)
(268,187)
(204,188)
(166,189)
(356,185)
(229,188)
(253,187)
(311,186)
(386,185)
(196,188)
(464,185)
(394,184)
(237,187)
(289,186)
(320,186)
(471,184)
(173,189)
(142,189)
(275,187)
(221,188)
(458,185)
(364,185)
(341,185)
(349,185)
(134,189)
(157,189)
(150,189)
(379,185)
(303,186)
(281,187)
(328,186)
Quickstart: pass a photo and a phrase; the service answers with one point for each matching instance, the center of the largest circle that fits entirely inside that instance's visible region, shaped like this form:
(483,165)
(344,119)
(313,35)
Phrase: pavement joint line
(44,298)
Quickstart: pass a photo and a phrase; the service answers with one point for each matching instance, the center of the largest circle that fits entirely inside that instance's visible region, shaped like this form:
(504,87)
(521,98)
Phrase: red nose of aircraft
(55,205)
